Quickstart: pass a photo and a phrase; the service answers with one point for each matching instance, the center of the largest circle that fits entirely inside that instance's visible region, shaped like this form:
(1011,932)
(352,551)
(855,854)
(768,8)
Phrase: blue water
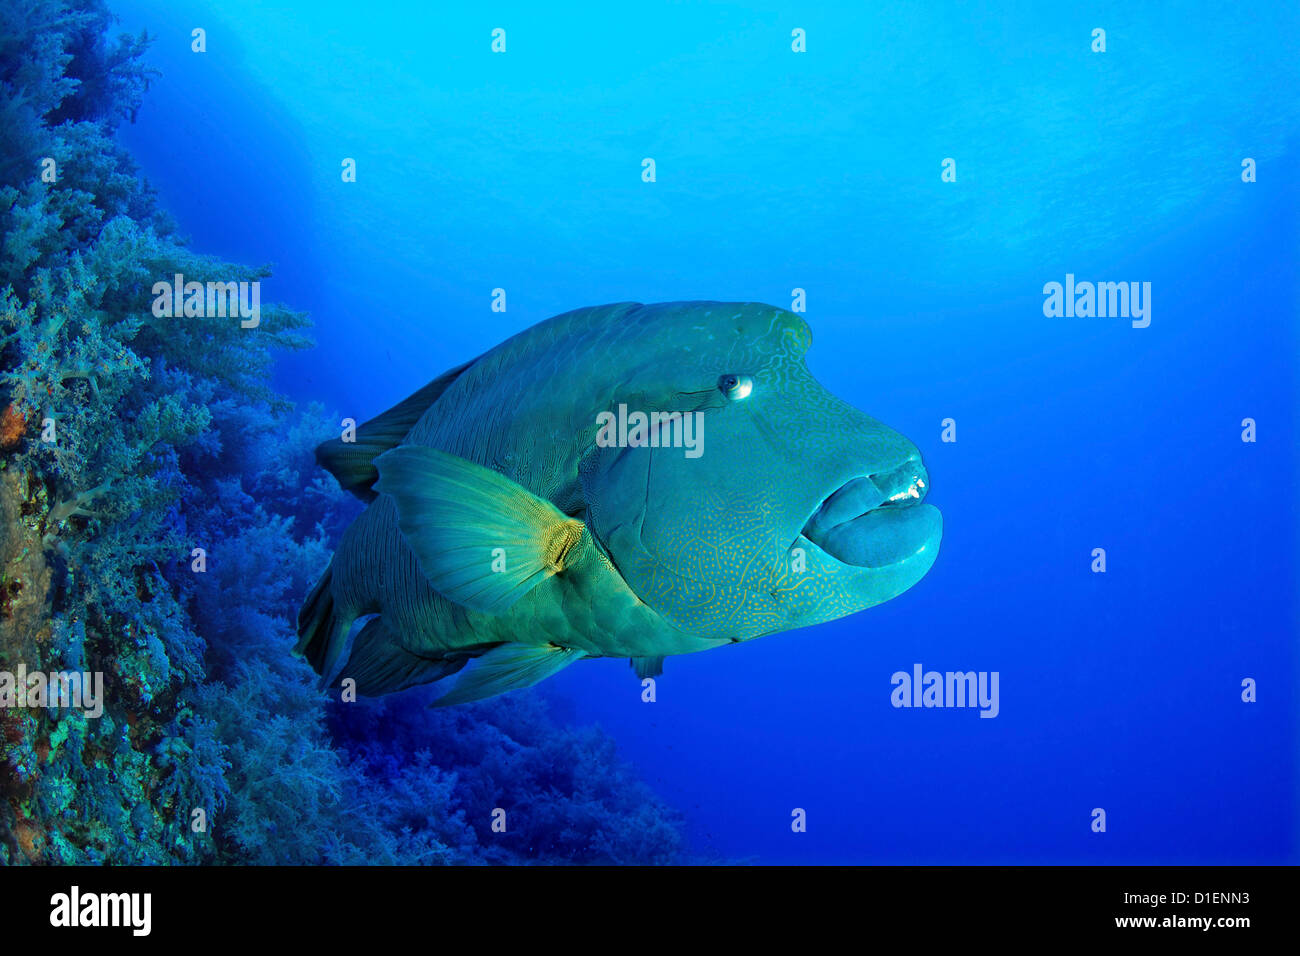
(822,171)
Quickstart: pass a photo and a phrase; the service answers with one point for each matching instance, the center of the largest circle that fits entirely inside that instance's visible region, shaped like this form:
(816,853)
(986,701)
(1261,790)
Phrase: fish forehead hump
(551,380)
(620,338)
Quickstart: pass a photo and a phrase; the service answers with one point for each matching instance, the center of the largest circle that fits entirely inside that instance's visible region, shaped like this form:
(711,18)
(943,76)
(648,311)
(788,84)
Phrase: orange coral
(30,840)
(12,425)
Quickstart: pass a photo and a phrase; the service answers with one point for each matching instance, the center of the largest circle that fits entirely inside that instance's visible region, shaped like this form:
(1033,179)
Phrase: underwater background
(775,171)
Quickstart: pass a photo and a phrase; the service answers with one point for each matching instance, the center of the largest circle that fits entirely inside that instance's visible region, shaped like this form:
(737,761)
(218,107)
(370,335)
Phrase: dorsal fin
(352,463)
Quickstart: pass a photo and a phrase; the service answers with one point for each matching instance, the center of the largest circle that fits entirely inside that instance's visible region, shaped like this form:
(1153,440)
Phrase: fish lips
(879,521)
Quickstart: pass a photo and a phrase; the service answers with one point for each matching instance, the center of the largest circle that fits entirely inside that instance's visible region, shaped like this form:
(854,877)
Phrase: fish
(627,480)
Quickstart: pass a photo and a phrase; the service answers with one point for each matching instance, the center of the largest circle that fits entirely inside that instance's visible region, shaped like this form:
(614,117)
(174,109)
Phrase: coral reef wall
(161,517)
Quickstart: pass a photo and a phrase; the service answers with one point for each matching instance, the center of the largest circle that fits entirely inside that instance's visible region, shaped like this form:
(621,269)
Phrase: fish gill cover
(160,518)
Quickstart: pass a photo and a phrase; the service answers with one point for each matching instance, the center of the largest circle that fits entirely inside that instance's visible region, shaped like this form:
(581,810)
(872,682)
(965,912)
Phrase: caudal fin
(321,632)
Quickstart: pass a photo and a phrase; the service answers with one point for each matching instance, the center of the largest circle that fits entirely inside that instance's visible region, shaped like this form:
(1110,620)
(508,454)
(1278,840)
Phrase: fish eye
(735,387)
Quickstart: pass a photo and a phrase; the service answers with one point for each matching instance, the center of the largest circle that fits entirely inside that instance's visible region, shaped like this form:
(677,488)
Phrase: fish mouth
(878,520)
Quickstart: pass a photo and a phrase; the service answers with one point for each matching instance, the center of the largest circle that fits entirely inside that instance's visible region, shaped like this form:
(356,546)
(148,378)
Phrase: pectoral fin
(507,667)
(480,539)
